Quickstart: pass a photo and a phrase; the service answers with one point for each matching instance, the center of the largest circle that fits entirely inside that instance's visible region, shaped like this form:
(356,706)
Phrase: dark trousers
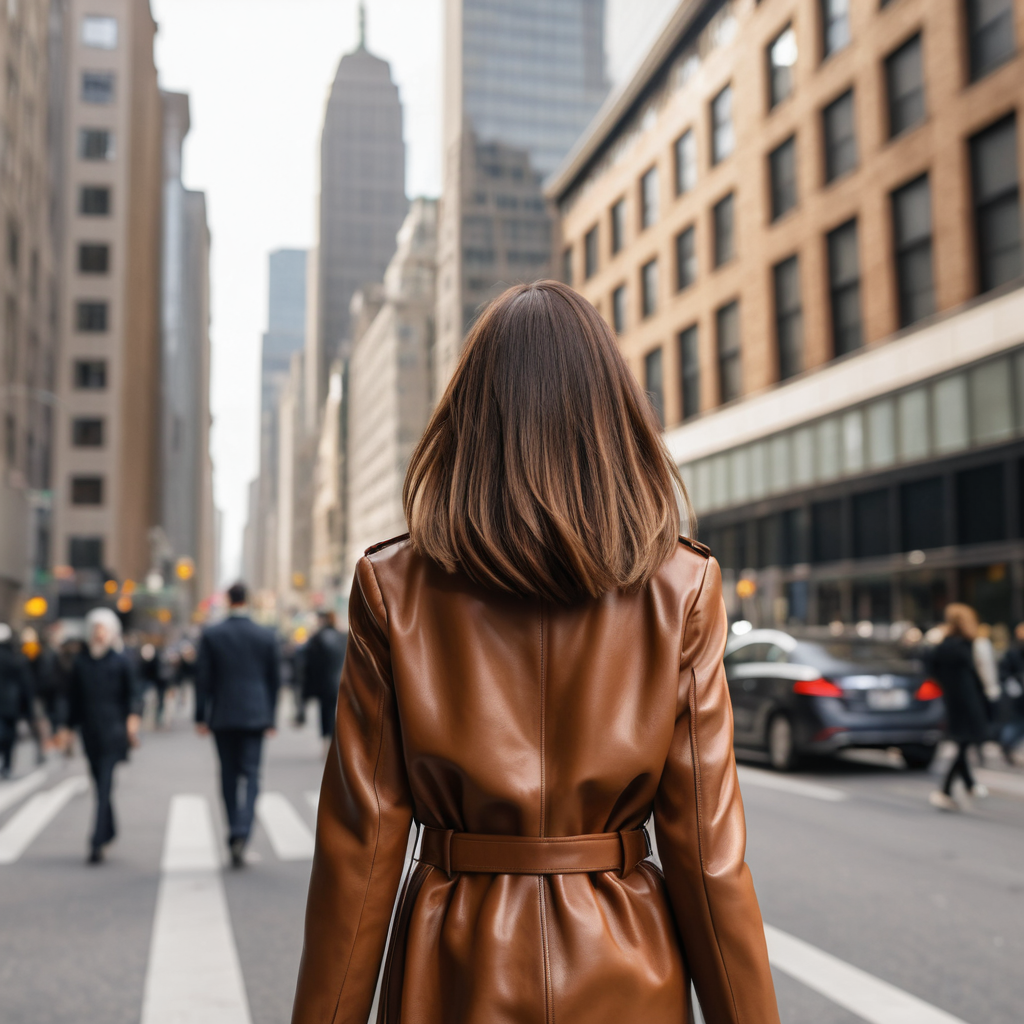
(8,734)
(328,707)
(239,751)
(101,766)
(959,767)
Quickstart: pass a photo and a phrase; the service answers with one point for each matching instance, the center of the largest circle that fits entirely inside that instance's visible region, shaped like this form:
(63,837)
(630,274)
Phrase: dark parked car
(794,696)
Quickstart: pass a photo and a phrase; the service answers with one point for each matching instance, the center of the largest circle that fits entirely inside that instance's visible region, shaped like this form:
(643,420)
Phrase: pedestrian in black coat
(105,705)
(15,696)
(1011,674)
(237,679)
(325,654)
(952,665)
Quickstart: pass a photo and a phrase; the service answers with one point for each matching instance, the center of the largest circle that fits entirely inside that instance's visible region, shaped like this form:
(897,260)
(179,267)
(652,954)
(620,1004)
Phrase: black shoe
(237,848)
(95,855)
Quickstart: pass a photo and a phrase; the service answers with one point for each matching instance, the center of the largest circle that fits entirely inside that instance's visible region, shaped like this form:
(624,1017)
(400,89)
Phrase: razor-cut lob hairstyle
(542,472)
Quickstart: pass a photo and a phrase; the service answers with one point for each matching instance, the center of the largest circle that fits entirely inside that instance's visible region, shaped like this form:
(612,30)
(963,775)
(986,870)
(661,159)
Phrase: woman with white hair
(104,704)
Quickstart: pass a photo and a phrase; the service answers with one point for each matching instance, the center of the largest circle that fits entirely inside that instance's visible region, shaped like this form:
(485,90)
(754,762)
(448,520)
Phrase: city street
(855,873)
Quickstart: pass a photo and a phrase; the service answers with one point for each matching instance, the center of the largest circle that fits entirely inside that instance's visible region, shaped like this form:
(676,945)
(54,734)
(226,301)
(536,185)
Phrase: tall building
(815,270)
(27,285)
(107,479)
(523,78)
(186,469)
(390,386)
(362,195)
(285,335)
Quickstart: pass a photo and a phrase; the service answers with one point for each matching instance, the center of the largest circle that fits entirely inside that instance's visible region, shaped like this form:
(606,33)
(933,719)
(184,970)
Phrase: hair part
(542,471)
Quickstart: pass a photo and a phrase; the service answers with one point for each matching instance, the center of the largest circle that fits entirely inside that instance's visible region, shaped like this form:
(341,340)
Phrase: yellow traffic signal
(36,607)
(185,569)
(124,605)
(110,586)
(746,588)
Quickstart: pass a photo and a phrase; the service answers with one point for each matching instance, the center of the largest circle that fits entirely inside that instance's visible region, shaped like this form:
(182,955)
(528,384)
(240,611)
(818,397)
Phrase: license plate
(888,700)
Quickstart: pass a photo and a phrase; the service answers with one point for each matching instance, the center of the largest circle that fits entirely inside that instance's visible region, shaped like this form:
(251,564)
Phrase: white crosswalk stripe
(25,825)
(868,997)
(798,787)
(15,791)
(193,974)
(290,836)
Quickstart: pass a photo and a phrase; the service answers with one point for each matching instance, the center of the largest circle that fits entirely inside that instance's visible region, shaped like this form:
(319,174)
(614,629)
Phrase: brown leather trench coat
(474,711)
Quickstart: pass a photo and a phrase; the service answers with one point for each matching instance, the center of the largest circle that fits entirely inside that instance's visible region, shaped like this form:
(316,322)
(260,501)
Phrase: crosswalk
(194,972)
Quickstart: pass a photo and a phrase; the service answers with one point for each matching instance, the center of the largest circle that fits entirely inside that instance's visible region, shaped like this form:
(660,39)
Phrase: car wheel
(781,746)
(918,755)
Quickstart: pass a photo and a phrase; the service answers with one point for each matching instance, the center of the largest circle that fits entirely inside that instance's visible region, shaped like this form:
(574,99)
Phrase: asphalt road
(880,908)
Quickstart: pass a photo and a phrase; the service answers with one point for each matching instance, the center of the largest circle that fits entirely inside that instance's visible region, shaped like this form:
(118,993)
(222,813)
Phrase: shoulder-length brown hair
(542,471)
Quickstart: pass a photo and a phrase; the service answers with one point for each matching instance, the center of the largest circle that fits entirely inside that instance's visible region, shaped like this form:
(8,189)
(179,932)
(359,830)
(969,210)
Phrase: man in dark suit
(236,695)
(325,654)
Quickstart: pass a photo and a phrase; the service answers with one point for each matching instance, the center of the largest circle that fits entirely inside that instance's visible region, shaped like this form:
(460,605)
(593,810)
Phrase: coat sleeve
(362,828)
(702,834)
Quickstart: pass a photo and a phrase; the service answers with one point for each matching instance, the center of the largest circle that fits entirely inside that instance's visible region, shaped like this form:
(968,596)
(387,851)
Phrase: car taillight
(928,690)
(817,688)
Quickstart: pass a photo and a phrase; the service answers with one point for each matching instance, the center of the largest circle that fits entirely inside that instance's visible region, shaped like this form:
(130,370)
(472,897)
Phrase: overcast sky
(258,73)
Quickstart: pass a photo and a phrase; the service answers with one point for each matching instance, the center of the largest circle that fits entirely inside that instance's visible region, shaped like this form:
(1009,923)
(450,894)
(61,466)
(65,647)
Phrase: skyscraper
(106,490)
(285,336)
(362,194)
(523,78)
(186,469)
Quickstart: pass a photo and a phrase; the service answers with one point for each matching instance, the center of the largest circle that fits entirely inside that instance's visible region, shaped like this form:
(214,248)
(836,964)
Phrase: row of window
(989,30)
(997,216)
(981,406)
(904,78)
(912,516)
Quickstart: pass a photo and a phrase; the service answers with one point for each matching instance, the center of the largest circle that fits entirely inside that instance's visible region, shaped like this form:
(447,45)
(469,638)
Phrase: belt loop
(446,853)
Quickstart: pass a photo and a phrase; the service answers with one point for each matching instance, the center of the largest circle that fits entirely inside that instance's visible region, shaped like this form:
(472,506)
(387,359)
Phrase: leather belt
(467,852)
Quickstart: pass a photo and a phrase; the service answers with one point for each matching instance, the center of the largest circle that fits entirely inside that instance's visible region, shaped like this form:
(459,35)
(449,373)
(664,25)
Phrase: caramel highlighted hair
(542,471)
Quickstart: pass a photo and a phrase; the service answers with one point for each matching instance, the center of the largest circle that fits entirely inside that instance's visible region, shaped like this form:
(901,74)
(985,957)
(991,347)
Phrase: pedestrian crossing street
(194,972)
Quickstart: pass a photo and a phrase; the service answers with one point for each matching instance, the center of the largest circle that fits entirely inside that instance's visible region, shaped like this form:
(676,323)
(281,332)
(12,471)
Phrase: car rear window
(837,655)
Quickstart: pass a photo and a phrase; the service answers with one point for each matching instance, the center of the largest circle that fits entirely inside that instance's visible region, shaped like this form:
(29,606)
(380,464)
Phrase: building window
(654,382)
(782,169)
(85,552)
(727,322)
(87,433)
(90,374)
(649,199)
(725,230)
(904,75)
(723,138)
(94,201)
(649,288)
(99,32)
(618,218)
(619,309)
(990,31)
(840,137)
(827,531)
(835,24)
(93,258)
(91,317)
(781,61)
(98,87)
(686,258)
(590,252)
(844,288)
(997,203)
(689,366)
(686,162)
(789,318)
(95,144)
(923,507)
(87,490)
(980,505)
(912,230)
(567,265)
